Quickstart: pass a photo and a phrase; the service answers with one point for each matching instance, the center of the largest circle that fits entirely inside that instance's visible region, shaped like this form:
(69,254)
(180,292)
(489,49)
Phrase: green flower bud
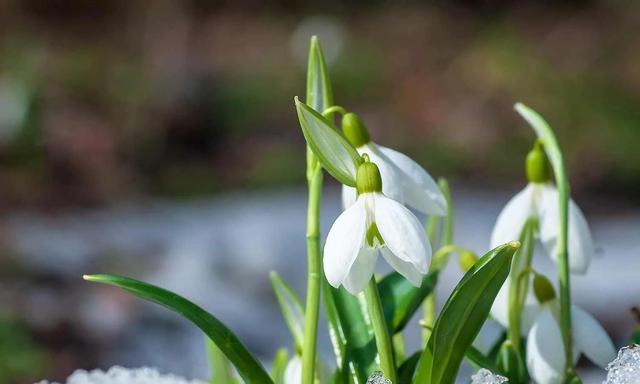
(368,177)
(467,260)
(543,289)
(354,130)
(537,164)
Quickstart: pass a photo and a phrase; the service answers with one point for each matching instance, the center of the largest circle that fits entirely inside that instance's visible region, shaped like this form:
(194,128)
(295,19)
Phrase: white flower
(375,222)
(545,349)
(293,372)
(403,180)
(541,200)
(500,308)
(119,375)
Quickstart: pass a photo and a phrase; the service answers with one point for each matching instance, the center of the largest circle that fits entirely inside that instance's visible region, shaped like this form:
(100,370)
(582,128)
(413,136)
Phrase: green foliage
(291,308)
(462,316)
(248,367)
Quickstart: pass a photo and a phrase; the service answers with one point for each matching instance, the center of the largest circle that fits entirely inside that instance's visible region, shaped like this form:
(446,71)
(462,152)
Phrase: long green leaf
(334,152)
(245,363)
(279,366)
(400,299)
(552,149)
(291,308)
(463,315)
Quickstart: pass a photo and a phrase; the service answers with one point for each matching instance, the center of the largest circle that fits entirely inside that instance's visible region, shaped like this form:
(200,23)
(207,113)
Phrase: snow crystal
(485,376)
(625,369)
(119,375)
(378,378)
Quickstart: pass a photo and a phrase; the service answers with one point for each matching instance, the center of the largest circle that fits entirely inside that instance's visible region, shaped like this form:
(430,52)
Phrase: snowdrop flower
(404,180)
(293,371)
(119,375)
(374,223)
(545,349)
(540,199)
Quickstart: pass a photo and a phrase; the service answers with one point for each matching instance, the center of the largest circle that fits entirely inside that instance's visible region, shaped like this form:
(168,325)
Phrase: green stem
(380,330)
(552,149)
(429,317)
(517,292)
(314,274)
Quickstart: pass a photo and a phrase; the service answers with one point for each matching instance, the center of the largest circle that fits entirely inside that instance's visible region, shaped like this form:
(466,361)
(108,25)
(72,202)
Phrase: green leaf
(245,363)
(407,368)
(400,299)
(463,315)
(221,371)
(319,93)
(291,308)
(279,366)
(334,152)
(479,360)
(351,329)
(510,363)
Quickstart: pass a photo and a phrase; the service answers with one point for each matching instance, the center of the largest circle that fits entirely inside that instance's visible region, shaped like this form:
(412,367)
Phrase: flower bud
(368,177)
(354,130)
(543,289)
(467,260)
(537,164)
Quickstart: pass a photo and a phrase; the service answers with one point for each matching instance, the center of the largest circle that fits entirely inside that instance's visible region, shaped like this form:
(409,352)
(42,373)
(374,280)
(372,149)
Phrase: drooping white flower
(541,200)
(120,375)
(374,223)
(500,308)
(293,371)
(545,348)
(403,180)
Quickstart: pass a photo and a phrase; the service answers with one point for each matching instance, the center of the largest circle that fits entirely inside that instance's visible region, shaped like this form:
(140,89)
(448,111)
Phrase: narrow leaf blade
(245,363)
(291,308)
(334,152)
(463,315)
(319,93)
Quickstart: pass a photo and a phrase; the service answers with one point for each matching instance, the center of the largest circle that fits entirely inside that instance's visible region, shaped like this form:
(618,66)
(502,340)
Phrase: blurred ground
(132,132)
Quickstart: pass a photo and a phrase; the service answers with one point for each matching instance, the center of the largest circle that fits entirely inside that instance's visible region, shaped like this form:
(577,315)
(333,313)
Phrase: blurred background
(158,139)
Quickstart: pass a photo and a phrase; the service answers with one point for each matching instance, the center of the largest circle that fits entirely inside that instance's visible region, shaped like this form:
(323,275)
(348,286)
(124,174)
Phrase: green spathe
(537,164)
(354,130)
(368,177)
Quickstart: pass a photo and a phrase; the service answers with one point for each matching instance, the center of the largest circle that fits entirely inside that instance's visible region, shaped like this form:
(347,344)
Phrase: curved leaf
(334,152)
(245,363)
(291,308)
(400,299)
(463,315)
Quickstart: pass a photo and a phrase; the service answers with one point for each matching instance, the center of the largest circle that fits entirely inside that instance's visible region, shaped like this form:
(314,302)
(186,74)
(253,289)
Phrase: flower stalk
(319,97)
(381,331)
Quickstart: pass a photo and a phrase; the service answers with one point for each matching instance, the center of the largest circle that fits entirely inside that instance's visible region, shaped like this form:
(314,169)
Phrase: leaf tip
(514,245)
(314,40)
(89,277)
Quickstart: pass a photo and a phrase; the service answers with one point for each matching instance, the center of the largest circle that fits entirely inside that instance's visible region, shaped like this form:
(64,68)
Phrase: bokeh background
(158,139)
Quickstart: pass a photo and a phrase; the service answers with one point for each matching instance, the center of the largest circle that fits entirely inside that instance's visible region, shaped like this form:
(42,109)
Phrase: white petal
(361,271)
(345,238)
(293,372)
(590,338)
(349,196)
(392,184)
(406,269)
(402,233)
(513,217)
(581,248)
(545,353)
(421,191)
(530,310)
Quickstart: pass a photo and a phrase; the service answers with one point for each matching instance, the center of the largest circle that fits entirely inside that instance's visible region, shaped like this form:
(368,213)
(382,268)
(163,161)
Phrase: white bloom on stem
(541,200)
(119,375)
(403,180)
(545,349)
(374,223)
